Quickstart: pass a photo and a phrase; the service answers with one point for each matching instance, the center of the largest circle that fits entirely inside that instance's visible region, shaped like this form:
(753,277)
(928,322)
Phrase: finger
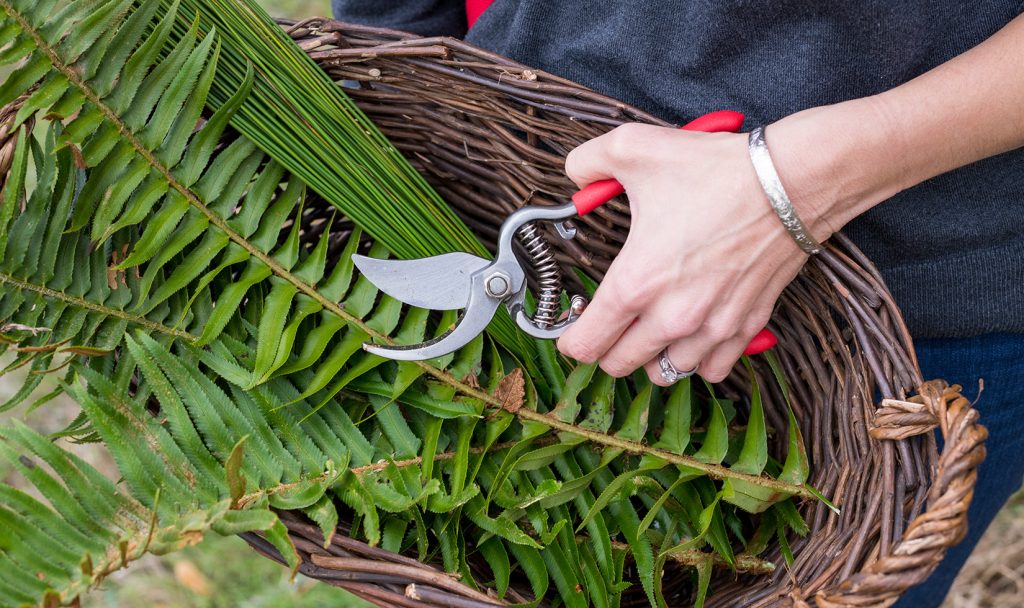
(685,355)
(653,369)
(678,318)
(717,365)
(639,343)
(602,322)
(593,333)
(690,352)
(589,162)
(606,155)
(719,360)
(653,366)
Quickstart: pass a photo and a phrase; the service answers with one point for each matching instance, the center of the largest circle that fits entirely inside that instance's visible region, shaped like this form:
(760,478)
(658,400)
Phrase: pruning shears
(479,286)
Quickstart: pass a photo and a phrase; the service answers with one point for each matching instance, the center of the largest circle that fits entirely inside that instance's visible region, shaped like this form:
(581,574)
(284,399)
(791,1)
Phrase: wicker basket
(491,135)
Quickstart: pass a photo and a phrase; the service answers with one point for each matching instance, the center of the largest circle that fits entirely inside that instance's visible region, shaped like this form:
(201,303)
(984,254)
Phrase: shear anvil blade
(479,311)
(441,282)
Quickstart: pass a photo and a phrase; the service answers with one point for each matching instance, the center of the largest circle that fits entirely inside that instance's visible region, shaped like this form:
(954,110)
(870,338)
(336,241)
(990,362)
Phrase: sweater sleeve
(424,17)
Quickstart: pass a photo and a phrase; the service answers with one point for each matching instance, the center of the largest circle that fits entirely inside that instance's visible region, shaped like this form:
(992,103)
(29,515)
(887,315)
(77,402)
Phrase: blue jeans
(999,360)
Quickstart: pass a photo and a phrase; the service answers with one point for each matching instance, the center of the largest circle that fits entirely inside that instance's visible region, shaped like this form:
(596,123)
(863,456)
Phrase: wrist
(776,194)
(835,162)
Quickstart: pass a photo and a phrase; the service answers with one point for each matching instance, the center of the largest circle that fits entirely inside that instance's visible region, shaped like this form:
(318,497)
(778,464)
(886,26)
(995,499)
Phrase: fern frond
(83,527)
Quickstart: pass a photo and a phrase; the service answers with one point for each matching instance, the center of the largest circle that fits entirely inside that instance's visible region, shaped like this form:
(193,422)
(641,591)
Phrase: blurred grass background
(223,572)
(297,9)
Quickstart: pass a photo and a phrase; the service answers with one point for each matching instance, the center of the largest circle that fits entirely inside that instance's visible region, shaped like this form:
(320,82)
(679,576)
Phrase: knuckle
(757,320)
(682,325)
(624,301)
(719,329)
(622,141)
(763,314)
(751,327)
(615,368)
(584,352)
(632,293)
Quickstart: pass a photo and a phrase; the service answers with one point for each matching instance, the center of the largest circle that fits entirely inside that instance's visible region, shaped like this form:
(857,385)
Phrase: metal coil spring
(549,277)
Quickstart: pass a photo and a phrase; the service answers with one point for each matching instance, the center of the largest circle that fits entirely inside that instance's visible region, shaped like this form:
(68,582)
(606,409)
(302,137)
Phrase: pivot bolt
(498,285)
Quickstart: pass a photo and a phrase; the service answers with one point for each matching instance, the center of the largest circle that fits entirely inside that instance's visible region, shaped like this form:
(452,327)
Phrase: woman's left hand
(705,260)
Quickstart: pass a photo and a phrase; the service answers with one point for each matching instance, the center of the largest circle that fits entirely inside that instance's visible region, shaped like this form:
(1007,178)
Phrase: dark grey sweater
(951,249)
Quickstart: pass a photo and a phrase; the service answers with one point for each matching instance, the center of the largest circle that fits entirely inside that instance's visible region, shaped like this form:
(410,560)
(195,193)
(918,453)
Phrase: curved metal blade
(441,282)
(479,312)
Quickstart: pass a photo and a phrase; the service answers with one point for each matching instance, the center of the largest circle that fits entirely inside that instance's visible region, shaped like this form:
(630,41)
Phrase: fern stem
(7,279)
(248,499)
(596,437)
(444,456)
(694,557)
(715,471)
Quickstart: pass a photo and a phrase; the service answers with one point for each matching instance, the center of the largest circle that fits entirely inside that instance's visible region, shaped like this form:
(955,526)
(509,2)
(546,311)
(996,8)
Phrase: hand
(705,260)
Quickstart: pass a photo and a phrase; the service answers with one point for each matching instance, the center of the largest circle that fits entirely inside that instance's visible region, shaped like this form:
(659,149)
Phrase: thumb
(591,161)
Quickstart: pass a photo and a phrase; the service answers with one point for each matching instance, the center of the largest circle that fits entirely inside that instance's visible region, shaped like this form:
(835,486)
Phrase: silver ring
(669,373)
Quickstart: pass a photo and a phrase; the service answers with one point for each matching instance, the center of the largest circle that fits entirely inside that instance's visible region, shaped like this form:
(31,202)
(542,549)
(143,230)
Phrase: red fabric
(475,8)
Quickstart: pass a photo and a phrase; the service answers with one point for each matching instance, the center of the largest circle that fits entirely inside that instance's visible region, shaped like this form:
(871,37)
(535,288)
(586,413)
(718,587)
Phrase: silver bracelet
(776,194)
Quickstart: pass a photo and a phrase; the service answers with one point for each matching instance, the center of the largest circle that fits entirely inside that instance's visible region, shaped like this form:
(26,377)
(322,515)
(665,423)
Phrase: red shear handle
(600,192)
(764,340)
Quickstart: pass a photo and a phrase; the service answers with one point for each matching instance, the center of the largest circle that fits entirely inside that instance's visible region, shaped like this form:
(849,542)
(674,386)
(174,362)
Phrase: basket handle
(943,524)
